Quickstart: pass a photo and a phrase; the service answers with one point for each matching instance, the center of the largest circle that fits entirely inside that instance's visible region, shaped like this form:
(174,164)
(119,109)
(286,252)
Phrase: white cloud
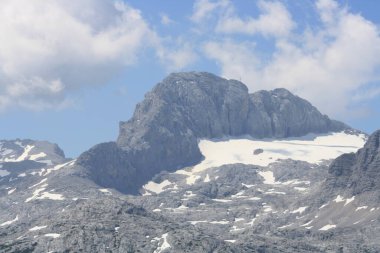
(236,60)
(204,8)
(328,10)
(327,65)
(165,20)
(177,54)
(274,20)
(49,48)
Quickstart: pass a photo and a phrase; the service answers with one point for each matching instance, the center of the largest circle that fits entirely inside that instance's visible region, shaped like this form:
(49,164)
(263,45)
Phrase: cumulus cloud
(274,20)
(165,20)
(48,48)
(203,9)
(327,64)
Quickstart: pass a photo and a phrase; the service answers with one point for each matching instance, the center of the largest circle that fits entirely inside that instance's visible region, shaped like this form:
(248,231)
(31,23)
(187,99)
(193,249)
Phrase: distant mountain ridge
(24,149)
(164,130)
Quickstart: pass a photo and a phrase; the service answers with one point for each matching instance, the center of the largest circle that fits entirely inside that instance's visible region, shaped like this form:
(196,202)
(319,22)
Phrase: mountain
(39,151)
(202,166)
(164,130)
(16,156)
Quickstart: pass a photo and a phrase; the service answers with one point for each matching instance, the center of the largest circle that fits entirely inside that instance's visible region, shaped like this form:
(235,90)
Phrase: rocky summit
(164,130)
(202,166)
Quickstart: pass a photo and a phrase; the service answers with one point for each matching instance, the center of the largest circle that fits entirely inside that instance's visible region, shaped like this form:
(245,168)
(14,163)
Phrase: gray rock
(360,172)
(258,151)
(281,114)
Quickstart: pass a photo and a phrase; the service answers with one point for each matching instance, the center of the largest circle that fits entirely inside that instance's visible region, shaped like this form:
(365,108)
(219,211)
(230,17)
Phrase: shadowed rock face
(165,128)
(280,114)
(358,172)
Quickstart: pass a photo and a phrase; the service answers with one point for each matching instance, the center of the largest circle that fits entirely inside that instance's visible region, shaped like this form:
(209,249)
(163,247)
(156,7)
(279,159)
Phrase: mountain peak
(164,131)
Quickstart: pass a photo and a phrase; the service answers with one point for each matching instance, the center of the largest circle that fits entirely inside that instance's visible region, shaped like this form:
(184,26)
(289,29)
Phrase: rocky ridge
(164,131)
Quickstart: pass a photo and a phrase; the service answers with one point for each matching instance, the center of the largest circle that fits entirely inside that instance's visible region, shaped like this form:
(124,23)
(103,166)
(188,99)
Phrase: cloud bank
(330,64)
(49,48)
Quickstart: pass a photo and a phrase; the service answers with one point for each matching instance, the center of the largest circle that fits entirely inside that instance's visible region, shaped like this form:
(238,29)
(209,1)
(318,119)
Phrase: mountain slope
(164,130)
(359,172)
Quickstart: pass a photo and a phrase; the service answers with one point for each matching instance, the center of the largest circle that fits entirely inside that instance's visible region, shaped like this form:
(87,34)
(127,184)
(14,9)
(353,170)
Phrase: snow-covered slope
(311,148)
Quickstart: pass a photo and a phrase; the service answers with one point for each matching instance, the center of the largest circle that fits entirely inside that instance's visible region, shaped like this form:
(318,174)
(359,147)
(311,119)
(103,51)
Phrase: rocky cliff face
(281,114)
(360,172)
(165,128)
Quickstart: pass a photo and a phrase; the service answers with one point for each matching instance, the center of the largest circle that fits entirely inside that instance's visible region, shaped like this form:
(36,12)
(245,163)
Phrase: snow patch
(59,166)
(268,177)
(361,207)
(24,155)
(164,245)
(231,241)
(294,182)
(286,226)
(254,198)
(267,209)
(223,222)
(41,182)
(11,191)
(348,201)
(272,191)
(197,221)
(52,235)
(238,195)
(52,196)
(40,194)
(159,187)
(37,156)
(300,210)
(106,191)
(222,200)
(301,189)
(235,229)
(9,222)
(339,199)
(37,228)
(327,227)
(307,224)
(181,207)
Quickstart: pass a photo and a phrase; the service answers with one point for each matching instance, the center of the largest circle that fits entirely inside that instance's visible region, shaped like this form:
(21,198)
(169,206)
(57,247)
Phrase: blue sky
(71,70)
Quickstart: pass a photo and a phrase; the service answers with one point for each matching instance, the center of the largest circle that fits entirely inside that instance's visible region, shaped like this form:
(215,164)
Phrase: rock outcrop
(360,172)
